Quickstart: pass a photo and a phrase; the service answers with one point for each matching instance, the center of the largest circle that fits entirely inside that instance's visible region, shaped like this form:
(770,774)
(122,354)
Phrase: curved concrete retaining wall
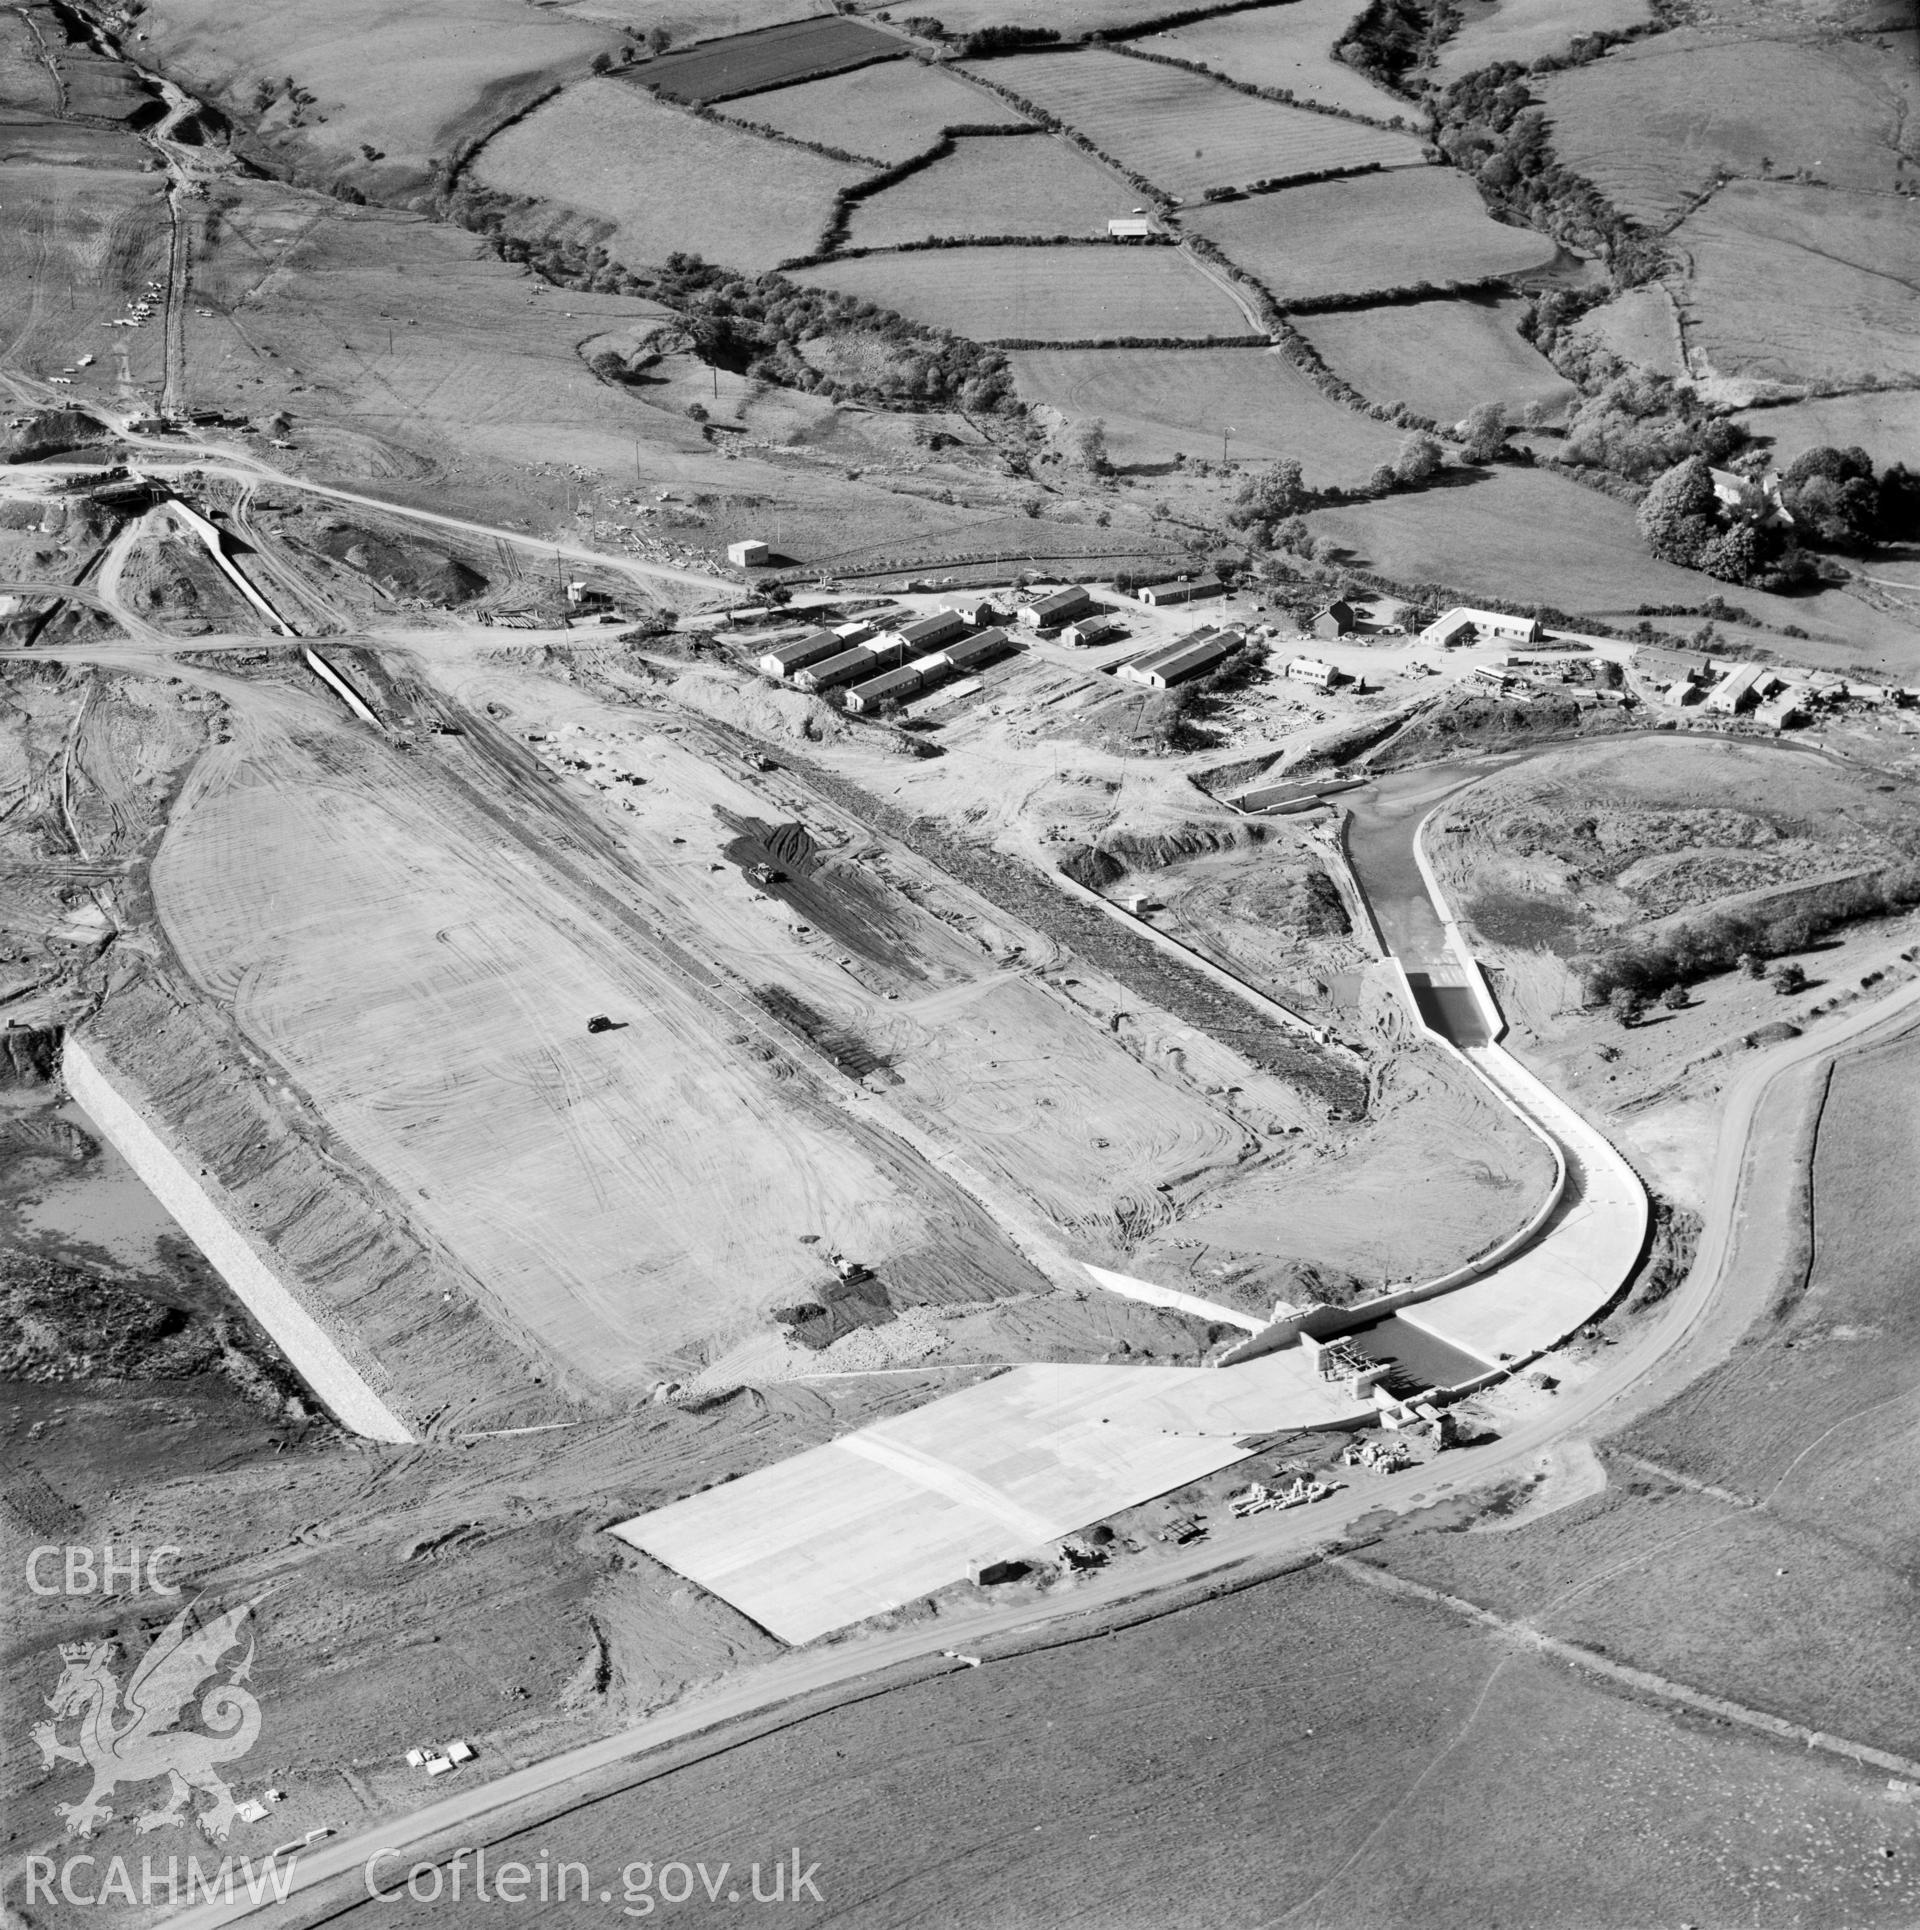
(333,1378)
(1542,1111)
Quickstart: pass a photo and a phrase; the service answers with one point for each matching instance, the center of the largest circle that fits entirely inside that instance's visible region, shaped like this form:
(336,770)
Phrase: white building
(1463,625)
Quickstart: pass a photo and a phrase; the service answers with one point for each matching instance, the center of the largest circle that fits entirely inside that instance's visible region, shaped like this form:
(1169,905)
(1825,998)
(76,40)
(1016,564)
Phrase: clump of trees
(1838,502)
(1639,424)
(1684,522)
(1267,498)
(1743,936)
(1489,125)
(1828,499)
(1483,435)
(757,325)
(984,42)
(1419,458)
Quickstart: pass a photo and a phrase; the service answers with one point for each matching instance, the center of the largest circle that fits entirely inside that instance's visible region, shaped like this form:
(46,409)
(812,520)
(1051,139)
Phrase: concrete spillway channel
(1581,1245)
(319,1360)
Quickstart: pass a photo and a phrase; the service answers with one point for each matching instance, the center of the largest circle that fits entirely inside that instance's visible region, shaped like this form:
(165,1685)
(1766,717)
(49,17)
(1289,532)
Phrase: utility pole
(1224,434)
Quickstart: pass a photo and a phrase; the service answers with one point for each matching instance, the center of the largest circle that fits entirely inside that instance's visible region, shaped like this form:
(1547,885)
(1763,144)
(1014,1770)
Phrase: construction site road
(1726,1289)
(175,458)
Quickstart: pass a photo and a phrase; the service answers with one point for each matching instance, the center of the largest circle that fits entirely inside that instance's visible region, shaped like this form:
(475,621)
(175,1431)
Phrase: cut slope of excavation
(426,980)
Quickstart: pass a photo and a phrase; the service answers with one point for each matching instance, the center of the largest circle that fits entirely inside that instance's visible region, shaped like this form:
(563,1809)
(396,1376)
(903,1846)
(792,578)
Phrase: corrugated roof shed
(984,648)
(876,690)
(785,658)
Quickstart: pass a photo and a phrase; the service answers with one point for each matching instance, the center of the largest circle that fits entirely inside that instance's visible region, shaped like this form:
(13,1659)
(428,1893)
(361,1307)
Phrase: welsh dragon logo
(135,1736)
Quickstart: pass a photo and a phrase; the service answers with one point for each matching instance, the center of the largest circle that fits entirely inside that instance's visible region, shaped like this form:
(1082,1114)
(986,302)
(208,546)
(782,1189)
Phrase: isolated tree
(1676,998)
(1626,1005)
(658,40)
(1090,447)
(601,63)
(1484,433)
(1536,414)
(1752,964)
(1382,480)
(1789,979)
(1419,458)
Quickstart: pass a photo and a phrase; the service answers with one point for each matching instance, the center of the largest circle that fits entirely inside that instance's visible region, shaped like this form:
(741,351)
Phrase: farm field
(1551,541)
(483,374)
(1067,17)
(1443,358)
(1847,1341)
(1813,1416)
(76,243)
(1641,327)
(1107,1777)
(888,112)
(1385,231)
(1884,424)
(1043,294)
(1186,134)
(1527,30)
(655,180)
(1028,184)
(1289,45)
(772,57)
(1157,403)
(1697,103)
(411,81)
(1795,284)
(691,21)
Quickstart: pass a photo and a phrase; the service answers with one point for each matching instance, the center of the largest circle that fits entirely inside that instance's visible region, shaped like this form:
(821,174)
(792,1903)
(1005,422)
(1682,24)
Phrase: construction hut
(1463,625)
(785,658)
(921,634)
(978,610)
(889,686)
(748,555)
(1739,690)
(1062,606)
(1174,663)
(1443,633)
(971,652)
(1312,672)
(1338,619)
(852,666)
(1180,590)
(1089,631)
(852,633)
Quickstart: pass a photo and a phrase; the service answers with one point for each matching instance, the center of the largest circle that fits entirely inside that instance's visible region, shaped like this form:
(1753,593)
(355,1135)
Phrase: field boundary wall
(1643,1680)
(335,1381)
